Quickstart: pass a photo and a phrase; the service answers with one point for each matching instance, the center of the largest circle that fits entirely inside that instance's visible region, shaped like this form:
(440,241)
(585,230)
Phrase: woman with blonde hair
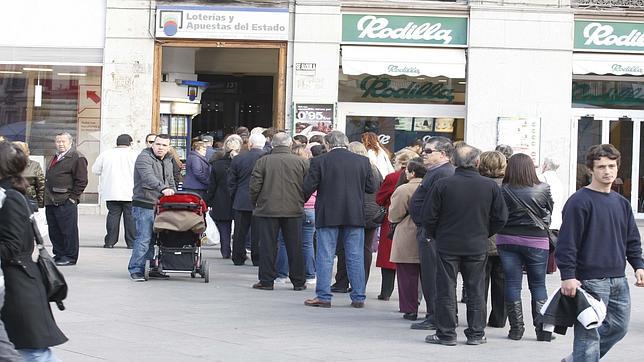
(34,176)
(493,165)
(217,197)
(383,198)
(378,155)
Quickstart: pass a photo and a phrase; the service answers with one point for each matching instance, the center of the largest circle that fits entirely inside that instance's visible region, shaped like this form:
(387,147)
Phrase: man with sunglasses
(149,139)
(436,155)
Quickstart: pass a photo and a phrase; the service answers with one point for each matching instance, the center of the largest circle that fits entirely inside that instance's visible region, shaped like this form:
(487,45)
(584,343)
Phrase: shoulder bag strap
(526,208)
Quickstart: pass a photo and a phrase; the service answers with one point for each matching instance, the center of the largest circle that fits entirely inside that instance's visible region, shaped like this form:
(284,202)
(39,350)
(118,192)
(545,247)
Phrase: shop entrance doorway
(624,129)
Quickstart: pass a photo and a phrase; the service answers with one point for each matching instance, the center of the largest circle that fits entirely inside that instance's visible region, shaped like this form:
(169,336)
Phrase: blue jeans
(38,355)
(513,258)
(353,238)
(141,250)
(308,229)
(592,344)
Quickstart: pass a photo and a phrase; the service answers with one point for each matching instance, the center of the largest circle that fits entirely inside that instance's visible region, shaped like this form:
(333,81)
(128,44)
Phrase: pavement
(110,318)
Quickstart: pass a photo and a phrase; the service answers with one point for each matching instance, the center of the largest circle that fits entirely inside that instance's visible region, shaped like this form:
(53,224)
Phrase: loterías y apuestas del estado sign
(407,30)
(609,36)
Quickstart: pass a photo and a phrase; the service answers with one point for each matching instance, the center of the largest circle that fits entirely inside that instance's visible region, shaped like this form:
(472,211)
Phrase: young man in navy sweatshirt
(597,236)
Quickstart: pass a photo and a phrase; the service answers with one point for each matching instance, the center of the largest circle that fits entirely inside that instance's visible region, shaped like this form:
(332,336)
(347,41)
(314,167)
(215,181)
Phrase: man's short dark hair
(317,138)
(442,144)
(506,150)
(124,140)
(301,139)
(416,143)
(164,136)
(596,152)
(417,167)
(150,134)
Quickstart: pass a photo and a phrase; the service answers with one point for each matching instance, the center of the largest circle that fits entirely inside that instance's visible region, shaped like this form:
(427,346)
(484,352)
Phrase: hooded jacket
(151,176)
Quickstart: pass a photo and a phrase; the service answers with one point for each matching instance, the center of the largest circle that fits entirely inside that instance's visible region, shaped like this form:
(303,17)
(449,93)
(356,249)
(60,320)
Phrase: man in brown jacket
(278,199)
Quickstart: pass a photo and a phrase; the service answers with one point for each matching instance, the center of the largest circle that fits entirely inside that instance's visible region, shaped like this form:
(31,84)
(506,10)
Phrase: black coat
(419,202)
(538,199)
(239,178)
(370,206)
(26,313)
(66,179)
(466,209)
(218,196)
(341,179)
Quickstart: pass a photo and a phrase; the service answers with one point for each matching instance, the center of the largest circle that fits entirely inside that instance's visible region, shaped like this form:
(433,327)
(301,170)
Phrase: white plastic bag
(211,231)
(41,221)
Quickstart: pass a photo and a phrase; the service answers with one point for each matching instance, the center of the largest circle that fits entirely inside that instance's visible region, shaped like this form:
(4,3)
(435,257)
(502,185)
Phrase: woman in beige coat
(404,251)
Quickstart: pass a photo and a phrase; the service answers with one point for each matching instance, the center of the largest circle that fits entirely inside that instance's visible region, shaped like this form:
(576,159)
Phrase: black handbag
(379,217)
(552,238)
(52,278)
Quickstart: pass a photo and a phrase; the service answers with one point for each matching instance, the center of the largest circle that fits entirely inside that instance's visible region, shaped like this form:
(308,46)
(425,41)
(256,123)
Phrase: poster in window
(403,123)
(444,125)
(423,124)
(523,134)
(313,118)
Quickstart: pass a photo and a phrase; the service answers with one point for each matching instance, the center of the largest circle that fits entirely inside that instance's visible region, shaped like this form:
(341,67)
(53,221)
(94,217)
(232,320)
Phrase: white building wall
(317,34)
(520,64)
(127,72)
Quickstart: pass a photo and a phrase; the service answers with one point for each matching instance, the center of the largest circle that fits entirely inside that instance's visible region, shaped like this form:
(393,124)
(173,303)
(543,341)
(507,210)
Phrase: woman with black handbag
(26,313)
(524,241)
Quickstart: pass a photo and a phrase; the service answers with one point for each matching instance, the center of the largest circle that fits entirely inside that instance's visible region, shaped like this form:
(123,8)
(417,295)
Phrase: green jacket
(276,184)
(36,179)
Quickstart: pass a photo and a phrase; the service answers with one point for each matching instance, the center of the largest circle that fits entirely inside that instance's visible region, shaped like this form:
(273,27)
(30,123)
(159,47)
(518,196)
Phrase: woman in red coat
(383,198)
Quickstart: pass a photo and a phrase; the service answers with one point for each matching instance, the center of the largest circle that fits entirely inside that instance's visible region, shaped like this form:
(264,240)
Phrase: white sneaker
(280,281)
(311,281)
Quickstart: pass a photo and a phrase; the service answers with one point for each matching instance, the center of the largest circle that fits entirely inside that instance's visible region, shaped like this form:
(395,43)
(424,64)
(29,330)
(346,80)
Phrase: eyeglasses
(428,151)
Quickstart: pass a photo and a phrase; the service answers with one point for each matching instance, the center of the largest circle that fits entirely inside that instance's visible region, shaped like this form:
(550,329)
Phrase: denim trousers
(513,258)
(38,355)
(142,249)
(592,344)
(308,230)
(353,238)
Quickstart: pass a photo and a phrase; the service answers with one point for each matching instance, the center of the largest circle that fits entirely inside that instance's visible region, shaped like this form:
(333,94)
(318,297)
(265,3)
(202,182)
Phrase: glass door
(624,130)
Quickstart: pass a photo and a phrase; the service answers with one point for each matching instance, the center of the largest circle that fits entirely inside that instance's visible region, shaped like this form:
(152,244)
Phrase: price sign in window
(313,118)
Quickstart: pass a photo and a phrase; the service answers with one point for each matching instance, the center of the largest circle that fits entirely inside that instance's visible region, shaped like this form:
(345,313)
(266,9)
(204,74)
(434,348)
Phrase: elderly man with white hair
(239,174)
(277,195)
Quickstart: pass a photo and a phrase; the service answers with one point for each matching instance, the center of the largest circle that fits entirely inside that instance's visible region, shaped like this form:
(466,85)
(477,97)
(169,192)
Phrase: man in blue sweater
(597,236)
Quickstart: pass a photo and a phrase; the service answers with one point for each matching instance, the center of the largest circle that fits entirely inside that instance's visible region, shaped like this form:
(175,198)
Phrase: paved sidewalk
(111,318)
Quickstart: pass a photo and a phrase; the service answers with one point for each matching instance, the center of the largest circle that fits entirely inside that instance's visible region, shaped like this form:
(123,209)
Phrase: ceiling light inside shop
(442,80)
(74,74)
(10,72)
(461,82)
(38,69)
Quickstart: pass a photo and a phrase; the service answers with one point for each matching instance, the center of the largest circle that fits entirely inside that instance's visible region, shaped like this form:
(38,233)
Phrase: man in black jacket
(466,209)
(65,181)
(341,179)
(238,180)
(276,192)
(436,154)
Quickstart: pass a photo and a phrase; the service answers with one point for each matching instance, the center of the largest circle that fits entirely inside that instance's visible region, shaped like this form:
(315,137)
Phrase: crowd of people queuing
(431,211)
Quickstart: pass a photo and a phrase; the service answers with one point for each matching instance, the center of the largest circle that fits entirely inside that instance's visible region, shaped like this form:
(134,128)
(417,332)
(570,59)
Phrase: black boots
(515,317)
(536,321)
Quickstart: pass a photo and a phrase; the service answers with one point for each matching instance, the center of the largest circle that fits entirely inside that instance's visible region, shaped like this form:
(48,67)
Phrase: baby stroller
(179,222)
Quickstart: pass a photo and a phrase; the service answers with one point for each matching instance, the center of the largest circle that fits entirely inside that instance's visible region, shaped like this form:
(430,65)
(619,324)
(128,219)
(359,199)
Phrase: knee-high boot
(515,317)
(536,320)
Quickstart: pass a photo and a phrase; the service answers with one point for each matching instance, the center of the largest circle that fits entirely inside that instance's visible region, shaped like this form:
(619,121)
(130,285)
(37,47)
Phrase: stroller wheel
(146,270)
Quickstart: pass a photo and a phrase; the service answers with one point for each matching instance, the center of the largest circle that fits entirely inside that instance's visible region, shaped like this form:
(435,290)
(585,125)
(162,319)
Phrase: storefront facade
(51,77)
(608,100)
(402,76)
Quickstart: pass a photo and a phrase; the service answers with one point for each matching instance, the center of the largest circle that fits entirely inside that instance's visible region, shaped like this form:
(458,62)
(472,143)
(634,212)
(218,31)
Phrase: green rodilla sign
(609,36)
(401,30)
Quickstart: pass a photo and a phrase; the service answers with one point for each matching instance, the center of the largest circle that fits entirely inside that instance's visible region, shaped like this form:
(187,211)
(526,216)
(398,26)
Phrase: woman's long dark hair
(13,161)
(520,171)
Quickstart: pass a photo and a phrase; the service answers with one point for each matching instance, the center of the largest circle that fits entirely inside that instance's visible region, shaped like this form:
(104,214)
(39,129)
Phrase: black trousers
(472,267)
(341,276)
(113,222)
(244,223)
(388,280)
(428,261)
(267,228)
(495,281)
(62,223)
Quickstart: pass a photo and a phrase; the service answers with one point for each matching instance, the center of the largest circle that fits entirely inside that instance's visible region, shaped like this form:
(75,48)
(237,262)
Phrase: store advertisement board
(219,22)
(522,134)
(592,35)
(313,118)
(408,30)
